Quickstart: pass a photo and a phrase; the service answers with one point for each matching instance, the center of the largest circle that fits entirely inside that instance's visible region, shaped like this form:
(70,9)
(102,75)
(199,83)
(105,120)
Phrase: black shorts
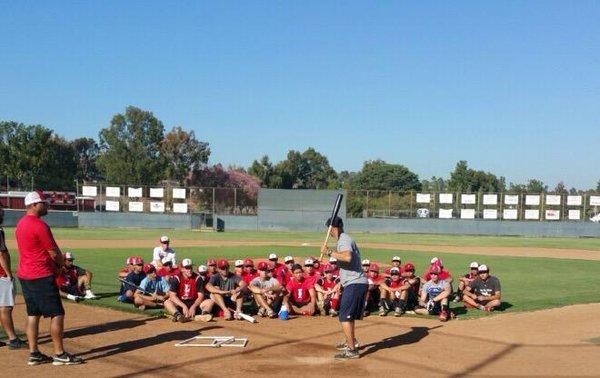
(352,303)
(42,297)
(412,300)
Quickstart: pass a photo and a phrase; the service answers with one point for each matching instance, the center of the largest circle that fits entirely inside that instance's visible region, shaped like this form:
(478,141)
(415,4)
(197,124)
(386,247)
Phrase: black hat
(335,222)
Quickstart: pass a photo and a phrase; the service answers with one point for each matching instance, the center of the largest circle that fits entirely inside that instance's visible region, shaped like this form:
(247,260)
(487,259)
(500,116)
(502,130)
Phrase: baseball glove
(430,306)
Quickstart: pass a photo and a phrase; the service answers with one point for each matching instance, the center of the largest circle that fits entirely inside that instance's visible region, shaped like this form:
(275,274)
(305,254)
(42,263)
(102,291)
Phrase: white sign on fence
(594,200)
(423,198)
(467,213)
(113,191)
(445,214)
(532,200)
(574,214)
(157,207)
(89,191)
(134,192)
(490,199)
(574,200)
(510,214)
(490,214)
(179,193)
(136,207)
(467,199)
(552,214)
(511,199)
(446,198)
(552,199)
(180,208)
(531,214)
(112,206)
(157,192)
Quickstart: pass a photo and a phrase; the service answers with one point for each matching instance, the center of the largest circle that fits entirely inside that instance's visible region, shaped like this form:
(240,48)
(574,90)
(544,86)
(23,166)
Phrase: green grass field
(527,283)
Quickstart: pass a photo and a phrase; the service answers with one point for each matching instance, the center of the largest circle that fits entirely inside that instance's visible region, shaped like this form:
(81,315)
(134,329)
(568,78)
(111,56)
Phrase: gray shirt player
(350,273)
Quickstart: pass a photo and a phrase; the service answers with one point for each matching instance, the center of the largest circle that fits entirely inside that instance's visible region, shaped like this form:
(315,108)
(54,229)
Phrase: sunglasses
(139,264)
(434,274)
(483,272)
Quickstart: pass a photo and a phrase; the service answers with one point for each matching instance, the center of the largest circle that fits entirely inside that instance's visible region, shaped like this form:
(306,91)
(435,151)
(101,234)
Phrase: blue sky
(513,87)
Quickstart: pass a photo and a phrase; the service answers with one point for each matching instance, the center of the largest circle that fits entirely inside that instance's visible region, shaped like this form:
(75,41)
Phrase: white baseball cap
(394,270)
(69,256)
(332,260)
(308,262)
(272,256)
(287,259)
(186,262)
(482,268)
(164,239)
(239,263)
(396,258)
(202,269)
(168,259)
(474,265)
(434,260)
(366,262)
(35,197)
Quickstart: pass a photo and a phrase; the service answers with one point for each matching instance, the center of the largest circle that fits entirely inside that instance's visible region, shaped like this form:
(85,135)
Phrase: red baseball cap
(210,262)
(129,260)
(137,260)
(149,268)
(222,264)
(436,270)
(263,265)
(409,266)
(374,267)
(248,262)
(329,268)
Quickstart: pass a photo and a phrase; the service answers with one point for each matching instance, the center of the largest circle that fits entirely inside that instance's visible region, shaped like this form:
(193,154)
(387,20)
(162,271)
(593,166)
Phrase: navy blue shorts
(352,303)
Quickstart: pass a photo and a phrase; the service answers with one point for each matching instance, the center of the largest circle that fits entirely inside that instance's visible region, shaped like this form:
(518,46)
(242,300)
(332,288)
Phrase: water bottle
(283,313)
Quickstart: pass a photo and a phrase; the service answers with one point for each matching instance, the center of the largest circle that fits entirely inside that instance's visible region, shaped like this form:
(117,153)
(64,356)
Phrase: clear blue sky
(512,87)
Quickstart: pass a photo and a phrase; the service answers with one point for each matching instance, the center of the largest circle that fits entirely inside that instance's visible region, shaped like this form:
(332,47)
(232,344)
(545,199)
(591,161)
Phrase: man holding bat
(354,283)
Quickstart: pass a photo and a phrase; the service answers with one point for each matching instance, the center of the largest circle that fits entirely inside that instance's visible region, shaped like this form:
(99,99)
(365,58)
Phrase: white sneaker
(90,295)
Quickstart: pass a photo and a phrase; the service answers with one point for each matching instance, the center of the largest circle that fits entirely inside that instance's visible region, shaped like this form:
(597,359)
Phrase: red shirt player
(167,270)
(310,273)
(249,272)
(286,274)
(391,293)
(301,296)
(444,274)
(328,292)
(186,295)
(396,263)
(128,267)
(277,267)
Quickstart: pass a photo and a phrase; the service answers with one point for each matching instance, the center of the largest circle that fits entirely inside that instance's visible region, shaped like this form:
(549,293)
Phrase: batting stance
(354,286)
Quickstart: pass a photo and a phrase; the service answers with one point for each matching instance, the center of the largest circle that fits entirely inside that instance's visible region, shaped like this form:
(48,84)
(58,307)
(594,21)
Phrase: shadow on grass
(462,310)
(415,335)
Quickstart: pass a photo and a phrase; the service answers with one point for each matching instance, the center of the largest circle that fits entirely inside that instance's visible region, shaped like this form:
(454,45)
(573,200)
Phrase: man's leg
(260,300)
(57,325)
(470,301)
(218,299)
(492,304)
(7,322)
(33,323)
(206,306)
(170,307)
(348,328)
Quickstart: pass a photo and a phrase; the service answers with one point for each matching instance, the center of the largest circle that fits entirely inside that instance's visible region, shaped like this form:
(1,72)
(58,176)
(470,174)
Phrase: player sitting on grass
(336,269)
(128,267)
(483,292)
(466,280)
(409,291)
(301,297)
(211,264)
(226,290)
(444,275)
(134,277)
(434,296)
(310,273)
(186,296)
(373,293)
(390,291)
(320,269)
(167,270)
(238,268)
(366,264)
(163,252)
(277,267)
(74,282)
(286,274)
(249,272)
(266,291)
(328,290)
(153,290)
(396,263)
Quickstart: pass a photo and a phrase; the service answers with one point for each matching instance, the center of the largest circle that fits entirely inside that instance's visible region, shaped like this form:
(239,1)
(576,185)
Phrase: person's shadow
(413,336)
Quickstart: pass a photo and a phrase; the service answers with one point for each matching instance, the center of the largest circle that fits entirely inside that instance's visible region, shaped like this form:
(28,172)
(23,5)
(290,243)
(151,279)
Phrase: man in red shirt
(301,297)
(328,290)
(310,273)
(436,263)
(39,262)
(390,293)
(373,294)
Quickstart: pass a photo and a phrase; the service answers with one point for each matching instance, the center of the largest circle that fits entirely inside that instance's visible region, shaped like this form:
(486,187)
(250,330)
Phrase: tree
(263,170)
(536,186)
(183,154)
(86,158)
(130,148)
(379,175)
(598,187)
(560,188)
(463,179)
(435,184)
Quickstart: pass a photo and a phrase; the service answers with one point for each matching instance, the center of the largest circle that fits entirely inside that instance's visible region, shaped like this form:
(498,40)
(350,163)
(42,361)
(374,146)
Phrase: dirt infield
(580,254)
(544,343)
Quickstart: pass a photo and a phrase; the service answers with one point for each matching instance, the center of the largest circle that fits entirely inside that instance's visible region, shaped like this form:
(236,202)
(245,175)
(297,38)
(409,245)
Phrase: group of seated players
(187,293)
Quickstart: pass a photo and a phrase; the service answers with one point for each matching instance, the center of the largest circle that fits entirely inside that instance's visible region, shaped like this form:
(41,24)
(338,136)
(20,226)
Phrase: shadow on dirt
(415,335)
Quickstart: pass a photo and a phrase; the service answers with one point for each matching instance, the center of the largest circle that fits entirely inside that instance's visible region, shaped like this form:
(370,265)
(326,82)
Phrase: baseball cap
(394,270)
(222,264)
(167,260)
(288,259)
(35,197)
(202,269)
(315,260)
(129,260)
(263,265)
(296,267)
(164,239)
(308,262)
(272,256)
(435,260)
(210,262)
(374,267)
(333,260)
(483,268)
(396,258)
(335,222)
(239,263)
(248,262)
(137,260)
(474,265)
(329,268)
(436,270)
(366,262)
(409,267)
(69,256)
(186,262)
(149,268)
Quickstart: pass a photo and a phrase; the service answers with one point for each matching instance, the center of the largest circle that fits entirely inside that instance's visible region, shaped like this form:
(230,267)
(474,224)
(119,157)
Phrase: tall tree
(560,188)
(536,186)
(379,175)
(86,158)
(130,148)
(465,179)
(183,154)
(263,170)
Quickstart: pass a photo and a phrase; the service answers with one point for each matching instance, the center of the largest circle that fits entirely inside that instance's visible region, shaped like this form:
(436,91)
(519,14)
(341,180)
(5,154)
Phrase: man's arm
(443,294)
(5,263)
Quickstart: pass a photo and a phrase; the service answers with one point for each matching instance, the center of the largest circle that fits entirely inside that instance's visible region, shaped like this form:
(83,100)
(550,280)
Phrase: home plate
(313,360)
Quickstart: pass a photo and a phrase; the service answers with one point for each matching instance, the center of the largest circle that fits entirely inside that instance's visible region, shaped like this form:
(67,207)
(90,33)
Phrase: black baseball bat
(334,213)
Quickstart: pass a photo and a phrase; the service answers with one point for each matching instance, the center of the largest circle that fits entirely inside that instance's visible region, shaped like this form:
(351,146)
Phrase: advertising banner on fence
(510,214)
(157,192)
(134,192)
(445,214)
(89,191)
(181,208)
(467,199)
(112,206)
(553,199)
(113,191)
(136,207)
(511,199)
(574,200)
(574,214)
(423,197)
(594,200)
(532,214)
(552,214)
(490,199)
(532,200)
(446,198)
(467,213)
(490,214)
(179,193)
(157,207)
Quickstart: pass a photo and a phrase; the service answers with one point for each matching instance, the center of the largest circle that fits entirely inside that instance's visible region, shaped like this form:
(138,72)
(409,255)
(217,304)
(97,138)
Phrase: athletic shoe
(333,313)
(2,343)
(90,295)
(443,316)
(410,312)
(17,344)
(397,312)
(37,358)
(382,311)
(184,319)
(66,359)
(203,318)
(176,317)
(123,298)
(347,354)
(237,316)
(271,314)
(456,298)
(343,346)
(141,307)
(262,312)
(366,313)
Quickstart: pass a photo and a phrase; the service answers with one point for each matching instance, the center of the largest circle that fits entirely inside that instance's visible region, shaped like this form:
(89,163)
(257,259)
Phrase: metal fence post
(367,204)
(213,204)
(234,200)
(389,203)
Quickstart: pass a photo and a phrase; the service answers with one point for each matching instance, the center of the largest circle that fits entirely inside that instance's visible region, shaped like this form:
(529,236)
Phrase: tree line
(136,149)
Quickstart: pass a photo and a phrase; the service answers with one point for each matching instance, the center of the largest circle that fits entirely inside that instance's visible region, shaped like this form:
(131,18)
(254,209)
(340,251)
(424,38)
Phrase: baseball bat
(244,316)
(334,213)
(134,286)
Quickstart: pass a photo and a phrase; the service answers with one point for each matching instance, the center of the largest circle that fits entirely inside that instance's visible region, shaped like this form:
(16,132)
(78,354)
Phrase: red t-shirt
(444,275)
(326,284)
(300,290)
(163,272)
(2,249)
(376,280)
(284,277)
(312,277)
(34,240)
(249,276)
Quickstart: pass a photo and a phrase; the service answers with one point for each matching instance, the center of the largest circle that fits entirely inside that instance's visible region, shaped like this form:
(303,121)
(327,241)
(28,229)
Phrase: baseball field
(548,324)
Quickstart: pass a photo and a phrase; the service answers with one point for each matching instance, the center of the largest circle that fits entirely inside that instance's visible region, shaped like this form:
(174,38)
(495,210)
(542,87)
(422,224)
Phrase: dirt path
(580,254)
(544,343)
